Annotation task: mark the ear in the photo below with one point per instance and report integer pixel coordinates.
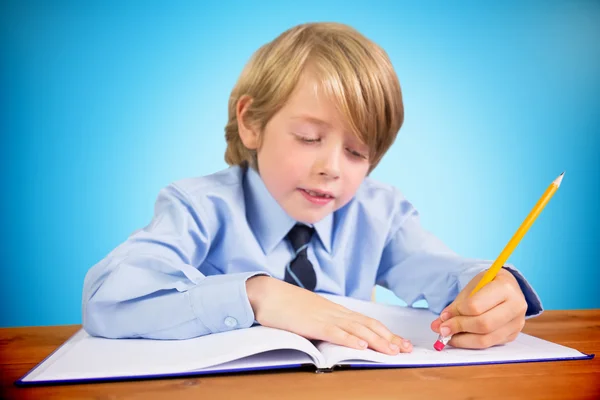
(248, 133)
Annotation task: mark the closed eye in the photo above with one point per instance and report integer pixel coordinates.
(306, 139)
(309, 140)
(356, 154)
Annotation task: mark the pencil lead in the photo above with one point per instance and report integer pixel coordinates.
(558, 180)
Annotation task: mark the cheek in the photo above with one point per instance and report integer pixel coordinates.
(352, 180)
(269, 154)
(288, 161)
(280, 172)
(351, 188)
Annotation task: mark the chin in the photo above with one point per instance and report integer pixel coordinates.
(310, 218)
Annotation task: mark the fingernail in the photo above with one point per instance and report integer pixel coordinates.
(362, 343)
(394, 347)
(445, 331)
(406, 344)
(445, 316)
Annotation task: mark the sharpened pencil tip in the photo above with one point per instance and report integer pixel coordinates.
(558, 180)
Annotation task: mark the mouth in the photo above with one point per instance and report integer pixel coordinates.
(318, 193)
(317, 197)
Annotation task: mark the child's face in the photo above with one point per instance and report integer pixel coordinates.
(309, 160)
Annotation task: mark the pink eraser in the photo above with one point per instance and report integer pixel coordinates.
(438, 345)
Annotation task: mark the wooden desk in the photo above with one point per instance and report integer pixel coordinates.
(22, 348)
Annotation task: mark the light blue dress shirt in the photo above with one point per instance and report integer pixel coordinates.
(184, 275)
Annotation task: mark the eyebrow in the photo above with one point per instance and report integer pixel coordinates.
(312, 120)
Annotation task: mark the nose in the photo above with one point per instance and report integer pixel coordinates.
(328, 164)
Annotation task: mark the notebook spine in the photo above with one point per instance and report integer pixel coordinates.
(323, 370)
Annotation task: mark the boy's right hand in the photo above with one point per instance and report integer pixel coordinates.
(278, 304)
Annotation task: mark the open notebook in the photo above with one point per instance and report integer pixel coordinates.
(87, 359)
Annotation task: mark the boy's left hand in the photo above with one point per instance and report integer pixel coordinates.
(494, 315)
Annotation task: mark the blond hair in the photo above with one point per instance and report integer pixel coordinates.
(352, 70)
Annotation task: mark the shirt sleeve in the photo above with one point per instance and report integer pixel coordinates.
(416, 265)
(150, 286)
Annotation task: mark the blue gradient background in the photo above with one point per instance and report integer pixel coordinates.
(104, 103)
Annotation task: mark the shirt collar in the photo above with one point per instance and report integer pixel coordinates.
(269, 222)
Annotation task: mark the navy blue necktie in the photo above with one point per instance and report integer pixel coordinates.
(300, 271)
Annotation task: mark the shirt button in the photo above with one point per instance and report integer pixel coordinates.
(230, 322)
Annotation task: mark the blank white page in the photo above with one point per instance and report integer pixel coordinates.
(414, 324)
(87, 357)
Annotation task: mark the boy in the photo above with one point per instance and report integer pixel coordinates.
(312, 114)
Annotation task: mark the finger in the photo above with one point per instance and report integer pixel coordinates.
(511, 338)
(336, 335)
(444, 316)
(501, 335)
(485, 299)
(481, 324)
(376, 341)
(380, 329)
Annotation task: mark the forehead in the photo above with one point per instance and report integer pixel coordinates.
(310, 104)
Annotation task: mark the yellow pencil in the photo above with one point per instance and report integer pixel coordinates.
(510, 247)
